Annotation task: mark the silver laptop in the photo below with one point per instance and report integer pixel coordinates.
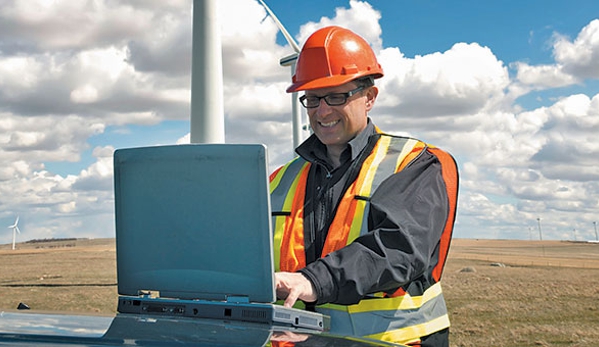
(194, 236)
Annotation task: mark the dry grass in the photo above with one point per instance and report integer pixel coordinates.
(60, 276)
(546, 295)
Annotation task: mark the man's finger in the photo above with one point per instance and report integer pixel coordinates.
(291, 298)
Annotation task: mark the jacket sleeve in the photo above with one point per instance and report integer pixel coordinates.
(406, 219)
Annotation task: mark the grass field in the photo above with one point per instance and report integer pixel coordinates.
(499, 293)
(546, 295)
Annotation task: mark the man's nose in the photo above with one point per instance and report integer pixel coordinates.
(323, 108)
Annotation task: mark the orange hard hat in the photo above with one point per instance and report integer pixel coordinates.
(331, 57)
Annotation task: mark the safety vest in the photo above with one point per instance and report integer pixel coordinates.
(399, 318)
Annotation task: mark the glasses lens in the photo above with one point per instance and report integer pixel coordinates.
(311, 101)
(336, 99)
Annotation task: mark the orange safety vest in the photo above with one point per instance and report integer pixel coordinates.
(400, 318)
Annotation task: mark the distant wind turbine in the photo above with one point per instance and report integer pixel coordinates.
(15, 230)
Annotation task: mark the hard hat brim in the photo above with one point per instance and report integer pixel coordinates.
(326, 82)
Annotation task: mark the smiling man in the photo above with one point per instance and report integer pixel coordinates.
(362, 219)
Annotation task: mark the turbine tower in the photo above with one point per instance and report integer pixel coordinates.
(207, 121)
(15, 230)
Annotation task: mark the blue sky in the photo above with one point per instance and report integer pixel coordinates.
(515, 30)
(508, 87)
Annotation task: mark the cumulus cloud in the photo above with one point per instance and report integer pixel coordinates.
(462, 80)
(360, 17)
(580, 57)
(99, 175)
(544, 76)
(575, 61)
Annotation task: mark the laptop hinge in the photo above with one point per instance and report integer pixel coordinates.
(238, 299)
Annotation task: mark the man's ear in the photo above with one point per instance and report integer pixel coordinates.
(371, 94)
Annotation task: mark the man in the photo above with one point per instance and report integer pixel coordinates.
(362, 220)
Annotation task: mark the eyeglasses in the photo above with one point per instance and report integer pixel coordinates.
(335, 99)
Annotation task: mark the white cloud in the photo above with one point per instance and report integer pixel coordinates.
(544, 76)
(250, 51)
(360, 17)
(99, 175)
(84, 95)
(259, 101)
(63, 24)
(581, 57)
(18, 73)
(575, 61)
(454, 91)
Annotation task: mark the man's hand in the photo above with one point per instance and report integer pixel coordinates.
(292, 286)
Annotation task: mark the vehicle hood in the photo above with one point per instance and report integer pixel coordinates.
(50, 329)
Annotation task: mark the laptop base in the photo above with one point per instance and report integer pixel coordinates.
(249, 312)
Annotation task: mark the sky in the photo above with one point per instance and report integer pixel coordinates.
(509, 88)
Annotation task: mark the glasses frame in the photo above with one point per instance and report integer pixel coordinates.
(346, 96)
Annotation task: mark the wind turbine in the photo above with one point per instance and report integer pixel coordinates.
(290, 60)
(207, 120)
(15, 230)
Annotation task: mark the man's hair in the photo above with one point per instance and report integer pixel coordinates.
(366, 81)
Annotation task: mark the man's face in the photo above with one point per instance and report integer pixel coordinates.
(337, 125)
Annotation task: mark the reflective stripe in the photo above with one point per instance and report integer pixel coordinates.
(280, 180)
(411, 145)
(293, 253)
(405, 302)
(351, 220)
(397, 149)
(412, 333)
(283, 185)
(377, 322)
(359, 217)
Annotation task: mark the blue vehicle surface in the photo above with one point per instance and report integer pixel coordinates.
(18, 328)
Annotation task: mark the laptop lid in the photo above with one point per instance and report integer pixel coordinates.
(193, 222)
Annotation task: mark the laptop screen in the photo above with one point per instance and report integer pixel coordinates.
(193, 221)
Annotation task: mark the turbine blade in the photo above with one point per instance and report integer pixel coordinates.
(17, 229)
(16, 222)
(288, 36)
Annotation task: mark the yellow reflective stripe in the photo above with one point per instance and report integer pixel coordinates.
(405, 302)
(277, 179)
(279, 222)
(279, 227)
(356, 226)
(291, 195)
(382, 148)
(381, 152)
(414, 332)
(407, 148)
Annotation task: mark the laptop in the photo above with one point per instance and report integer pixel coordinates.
(194, 235)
